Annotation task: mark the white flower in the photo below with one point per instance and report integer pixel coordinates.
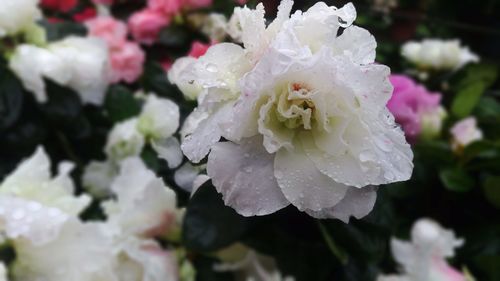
(158, 121)
(159, 118)
(432, 122)
(186, 176)
(438, 54)
(31, 64)
(82, 64)
(124, 140)
(424, 257)
(88, 62)
(144, 204)
(464, 133)
(17, 16)
(98, 176)
(310, 126)
(3, 272)
(91, 258)
(33, 205)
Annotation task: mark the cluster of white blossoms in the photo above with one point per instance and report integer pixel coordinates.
(156, 124)
(436, 54)
(39, 218)
(424, 257)
(81, 63)
(296, 116)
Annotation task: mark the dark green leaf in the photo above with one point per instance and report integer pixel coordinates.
(63, 105)
(491, 188)
(209, 225)
(456, 179)
(121, 104)
(60, 30)
(11, 98)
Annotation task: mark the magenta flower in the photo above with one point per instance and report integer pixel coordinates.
(417, 110)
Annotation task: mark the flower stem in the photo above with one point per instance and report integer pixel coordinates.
(336, 251)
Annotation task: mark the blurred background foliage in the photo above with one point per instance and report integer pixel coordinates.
(462, 192)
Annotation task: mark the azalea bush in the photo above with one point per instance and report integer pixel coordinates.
(182, 140)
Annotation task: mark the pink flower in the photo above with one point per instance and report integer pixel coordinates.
(196, 4)
(410, 103)
(103, 2)
(167, 7)
(145, 25)
(166, 64)
(59, 5)
(198, 49)
(241, 2)
(112, 31)
(126, 62)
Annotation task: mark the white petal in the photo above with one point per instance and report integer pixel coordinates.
(243, 174)
(357, 43)
(208, 132)
(302, 184)
(358, 202)
(170, 150)
(186, 175)
(159, 118)
(21, 218)
(97, 178)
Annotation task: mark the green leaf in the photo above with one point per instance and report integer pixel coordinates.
(121, 104)
(491, 189)
(154, 79)
(488, 109)
(60, 30)
(209, 225)
(11, 98)
(456, 179)
(467, 98)
(174, 36)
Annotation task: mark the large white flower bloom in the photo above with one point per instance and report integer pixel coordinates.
(79, 63)
(310, 126)
(438, 54)
(89, 66)
(34, 205)
(17, 16)
(424, 257)
(144, 205)
(31, 64)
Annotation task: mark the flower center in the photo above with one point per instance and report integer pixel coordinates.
(295, 106)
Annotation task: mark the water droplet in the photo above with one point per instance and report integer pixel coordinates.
(211, 67)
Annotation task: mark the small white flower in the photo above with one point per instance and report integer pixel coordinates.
(464, 133)
(31, 64)
(34, 205)
(158, 121)
(159, 118)
(186, 176)
(144, 204)
(432, 122)
(124, 140)
(424, 257)
(98, 176)
(82, 64)
(18, 15)
(438, 54)
(88, 62)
